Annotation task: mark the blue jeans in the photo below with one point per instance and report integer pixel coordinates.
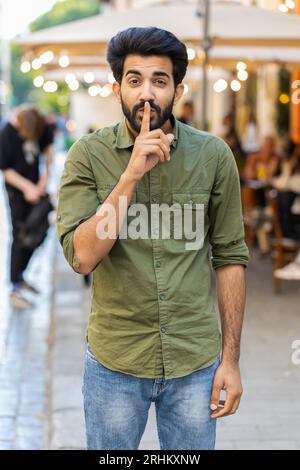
(116, 408)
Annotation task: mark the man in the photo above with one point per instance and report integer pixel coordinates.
(22, 141)
(153, 332)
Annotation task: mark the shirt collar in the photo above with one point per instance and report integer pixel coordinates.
(125, 139)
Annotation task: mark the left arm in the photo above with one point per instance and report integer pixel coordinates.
(229, 259)
(231, 293)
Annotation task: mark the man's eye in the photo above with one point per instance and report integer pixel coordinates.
(161, 82)
(133, 81)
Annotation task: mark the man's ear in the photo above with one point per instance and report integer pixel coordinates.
(116, 88)
(178, 92)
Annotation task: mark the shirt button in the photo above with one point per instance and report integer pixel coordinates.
(157, 264)
(163, 329)
(154, 199)
(162, 296)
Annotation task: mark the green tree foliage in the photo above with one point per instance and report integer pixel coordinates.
(23, 89)
(65, 11)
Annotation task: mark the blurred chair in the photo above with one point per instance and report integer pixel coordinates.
(285, 249)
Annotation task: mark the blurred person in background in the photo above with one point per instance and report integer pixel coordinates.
(288, 187)
(22, 140)
(261, 167)
(230, 135)
(187, 113)
(264, 164)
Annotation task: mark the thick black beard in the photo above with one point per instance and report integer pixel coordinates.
(158, 121)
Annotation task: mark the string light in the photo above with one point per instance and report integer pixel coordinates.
(284, 98)
(111, 79)
(64, 61)
(235, 85)
(104, 91)
(89, 77)
(50, 86)
(283, 8)
(290, 4)
(242, 75)
(74, 85)
(46, 57)
(220, 85)
(36, 64)
(38, 81)
(94, 90)
(25, 66)
(241, 66)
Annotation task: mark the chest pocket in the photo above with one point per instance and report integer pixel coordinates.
(188, 217)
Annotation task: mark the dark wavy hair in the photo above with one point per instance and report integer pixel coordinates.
(146, 42)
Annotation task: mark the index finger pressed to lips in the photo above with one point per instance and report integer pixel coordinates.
(145, 126)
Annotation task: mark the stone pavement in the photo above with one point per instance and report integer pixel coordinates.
(24, 359)
(42, 354)
(269, 414)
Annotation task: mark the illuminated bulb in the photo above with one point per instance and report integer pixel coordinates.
(111, 79)
(283, 8)
(290, 4)
(104, 91)
(93, 90)
(191, 53)
(46, 57)
(242, 75)
(36, 64)
(38, 81)
(50, 86)
(235, 85)
(25, 66)
(284, 98)
(220, 85)
(69, 78)
(64, 61)
(89, 77)
(241, 66)
(73, 85)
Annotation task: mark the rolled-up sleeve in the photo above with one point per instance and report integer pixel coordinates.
(77, 199)
(226, 232)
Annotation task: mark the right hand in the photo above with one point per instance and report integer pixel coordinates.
(149, 148)
(32, 194)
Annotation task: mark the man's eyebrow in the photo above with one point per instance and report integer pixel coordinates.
(158, 73)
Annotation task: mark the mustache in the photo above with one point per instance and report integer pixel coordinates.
(139, 106)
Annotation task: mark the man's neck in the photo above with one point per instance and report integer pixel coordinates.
(167, 128)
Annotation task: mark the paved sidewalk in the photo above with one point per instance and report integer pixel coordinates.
(24, 368)
(269, 414)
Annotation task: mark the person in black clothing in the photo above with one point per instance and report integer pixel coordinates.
(22, 140)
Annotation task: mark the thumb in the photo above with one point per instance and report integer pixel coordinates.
(170, 137)
(215, 396)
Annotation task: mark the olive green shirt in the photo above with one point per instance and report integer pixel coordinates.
(152, 310)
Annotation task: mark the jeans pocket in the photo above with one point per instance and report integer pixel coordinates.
(90, 353)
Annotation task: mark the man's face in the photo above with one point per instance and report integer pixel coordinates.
(147, 79)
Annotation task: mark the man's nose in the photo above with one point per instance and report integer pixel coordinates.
(147, 92)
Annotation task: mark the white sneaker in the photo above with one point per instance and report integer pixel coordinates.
(17, 300)
(290, 272)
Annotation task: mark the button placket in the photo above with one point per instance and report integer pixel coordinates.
(160, 280)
